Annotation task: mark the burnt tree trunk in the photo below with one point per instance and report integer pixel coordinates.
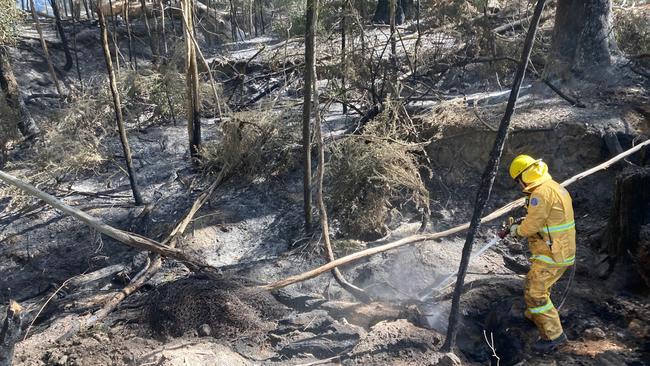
(153, 41)
(192, 76)
(14, 100)
(132, 58)
(10, 332)
(46, 52)
(118, 110)
(343, 57)
(64, 39)
(404, 10)
(623, 242)
(583, 39)
(310, 29)
(487, 179)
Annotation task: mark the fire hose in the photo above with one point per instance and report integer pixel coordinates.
(429, 291)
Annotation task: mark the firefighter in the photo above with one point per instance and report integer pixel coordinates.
(550, 229)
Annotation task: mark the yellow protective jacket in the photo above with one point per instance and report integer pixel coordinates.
(549, 224)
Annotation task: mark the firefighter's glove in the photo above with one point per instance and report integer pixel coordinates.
(513, 230)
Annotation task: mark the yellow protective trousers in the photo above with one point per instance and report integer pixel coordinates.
(537, 295)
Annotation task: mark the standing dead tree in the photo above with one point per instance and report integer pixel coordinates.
(46, 52)
(119, 119)
(583, 39)
(153, 39)
(14, 99)
(192, 77)
(622, 243)
(310, 29)
(344, 67)
(489, 174)
(64, 38)
(132, 59)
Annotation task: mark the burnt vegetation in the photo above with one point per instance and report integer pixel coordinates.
(282, 181)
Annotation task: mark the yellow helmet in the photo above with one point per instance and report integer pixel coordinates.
(520, 164)
(529, 169)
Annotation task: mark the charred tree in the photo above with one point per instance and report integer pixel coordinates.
(192, 77)
(311, 16)
(74, 42)
(132, 59)
(344, 66)
(14, 99)
(10, 332)
(46, 52)
(623, 243)
(404, 10)
(64, 38)
(583, 39)
(487, 180)
(118, 110)
(153, 42)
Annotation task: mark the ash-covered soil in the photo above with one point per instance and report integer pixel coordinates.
(252, 231)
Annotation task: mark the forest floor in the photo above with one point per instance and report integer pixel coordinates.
(253, 230)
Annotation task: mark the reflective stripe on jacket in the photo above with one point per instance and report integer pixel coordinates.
(549, 224)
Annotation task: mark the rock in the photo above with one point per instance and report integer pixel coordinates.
(449, 359)
(321, 346)
(316, 321)
(62, 360)
(364, 315)
(326, 342)
(298, 300)
(204, 330)
(207, 353)
(128, 358)
(594, 334)
(638, 329)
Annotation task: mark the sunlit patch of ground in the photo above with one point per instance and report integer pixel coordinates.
(592, 348)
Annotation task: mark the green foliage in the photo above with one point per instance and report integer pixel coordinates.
(9, 17)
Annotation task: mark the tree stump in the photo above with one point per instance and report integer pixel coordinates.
(11, 332)
(622, 242)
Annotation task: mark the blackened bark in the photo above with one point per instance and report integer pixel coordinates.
(153, 41)
(64, 39)
(405, 9)
(583, 40)
(119, 119)
(489, 174)
(46, 52)
(10, 332)
(306, 108)
(630, 210)
(192, 76)
(13, 98)
(343, 57)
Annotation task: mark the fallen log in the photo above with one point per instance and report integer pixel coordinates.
(155, 261)
(133, 240)
(521, 23)
(433, 236)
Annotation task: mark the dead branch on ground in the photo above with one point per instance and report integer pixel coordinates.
(433, 236)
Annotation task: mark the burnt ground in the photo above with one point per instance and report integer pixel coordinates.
(252, 229)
